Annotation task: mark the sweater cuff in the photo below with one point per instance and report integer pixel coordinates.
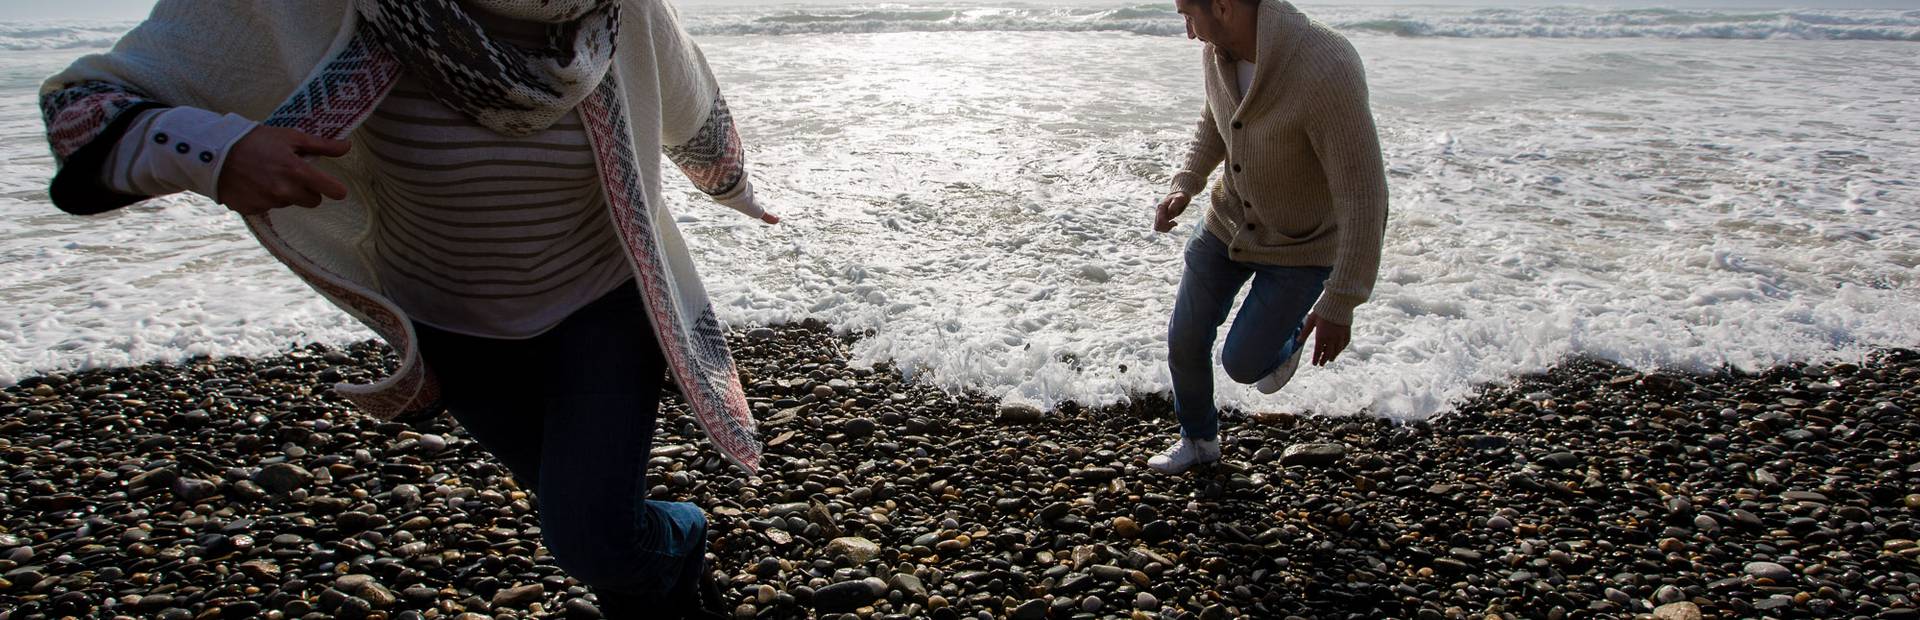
(1189, 183)
(1337, 308)
(743, 200)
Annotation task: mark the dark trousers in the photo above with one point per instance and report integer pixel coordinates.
(571, 413)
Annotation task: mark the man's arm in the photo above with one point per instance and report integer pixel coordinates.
(1204, 153)
(1348, 146)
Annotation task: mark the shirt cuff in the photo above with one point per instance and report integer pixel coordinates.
(744, 201)
(181, 149)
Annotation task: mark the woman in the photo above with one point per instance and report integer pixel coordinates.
(477, 181)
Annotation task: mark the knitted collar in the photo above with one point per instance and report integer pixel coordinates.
(510, 89)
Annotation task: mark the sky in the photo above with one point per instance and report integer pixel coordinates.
(11, 10)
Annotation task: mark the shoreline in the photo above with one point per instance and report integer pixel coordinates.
(1587, 491)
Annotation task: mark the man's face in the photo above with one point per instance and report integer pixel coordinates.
(1202, 24)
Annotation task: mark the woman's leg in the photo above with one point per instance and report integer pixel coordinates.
(493, 391)
(603, 374)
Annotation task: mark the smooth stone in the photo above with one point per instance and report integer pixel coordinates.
(283, 477)
(858, 550)
(843, 597)
(1769, 570)
(1074, 583)
(908, 584)
(580, 608)
(1313, 454)
(860, 428)
(1559, 460)
(1677, 611)
(194, 489)
(1018, 413)
(1156, 531)
(519, 596)
(1033, 609)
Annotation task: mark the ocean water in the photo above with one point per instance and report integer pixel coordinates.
(971, 186)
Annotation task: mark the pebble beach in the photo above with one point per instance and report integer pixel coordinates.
(242, 488)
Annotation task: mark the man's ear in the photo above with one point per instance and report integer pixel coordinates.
(1222, 8)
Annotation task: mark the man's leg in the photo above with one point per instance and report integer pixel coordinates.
(605, 372)
(1268, 328)
(1208, 286)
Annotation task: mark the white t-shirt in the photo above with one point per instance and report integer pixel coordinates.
(1246, 77)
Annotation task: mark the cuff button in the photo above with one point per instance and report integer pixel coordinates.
(206, 157)
(182, 148)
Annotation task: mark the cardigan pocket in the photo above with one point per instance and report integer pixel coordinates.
(1274, 237)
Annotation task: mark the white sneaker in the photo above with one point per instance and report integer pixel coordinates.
(1280, 376)
(1185, 454)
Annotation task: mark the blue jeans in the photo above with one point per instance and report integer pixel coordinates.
(1262, 337)
(571, 413)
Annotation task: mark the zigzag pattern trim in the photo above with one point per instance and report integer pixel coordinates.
(697, 354)
(337, 98)
(342, 94)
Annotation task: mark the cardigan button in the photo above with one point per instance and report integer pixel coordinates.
(159, 138)
(1252, 226)
(182, 148)
(1236, 167)
(1236, 124)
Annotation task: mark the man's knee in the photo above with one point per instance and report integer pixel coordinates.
(1245, 366)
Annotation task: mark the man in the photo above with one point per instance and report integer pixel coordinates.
(478, 183)
(1301, 208)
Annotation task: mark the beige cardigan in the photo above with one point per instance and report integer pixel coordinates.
(1304, 182)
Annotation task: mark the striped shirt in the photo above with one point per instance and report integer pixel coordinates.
(483, 234)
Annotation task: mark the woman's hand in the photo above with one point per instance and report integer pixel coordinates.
(269, 169)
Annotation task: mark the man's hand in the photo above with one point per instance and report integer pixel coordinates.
(266, 170)
(1333, 338)
(1170, 207)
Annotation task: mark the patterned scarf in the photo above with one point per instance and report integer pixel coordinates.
(507, 88)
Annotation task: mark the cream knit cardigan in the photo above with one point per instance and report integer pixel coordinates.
(302, 64)
(1304, 182)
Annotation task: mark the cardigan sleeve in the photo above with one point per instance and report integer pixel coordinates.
(1204, 153)
(1344, 138)
(85, 121)
(186, 53)
(697, 129)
